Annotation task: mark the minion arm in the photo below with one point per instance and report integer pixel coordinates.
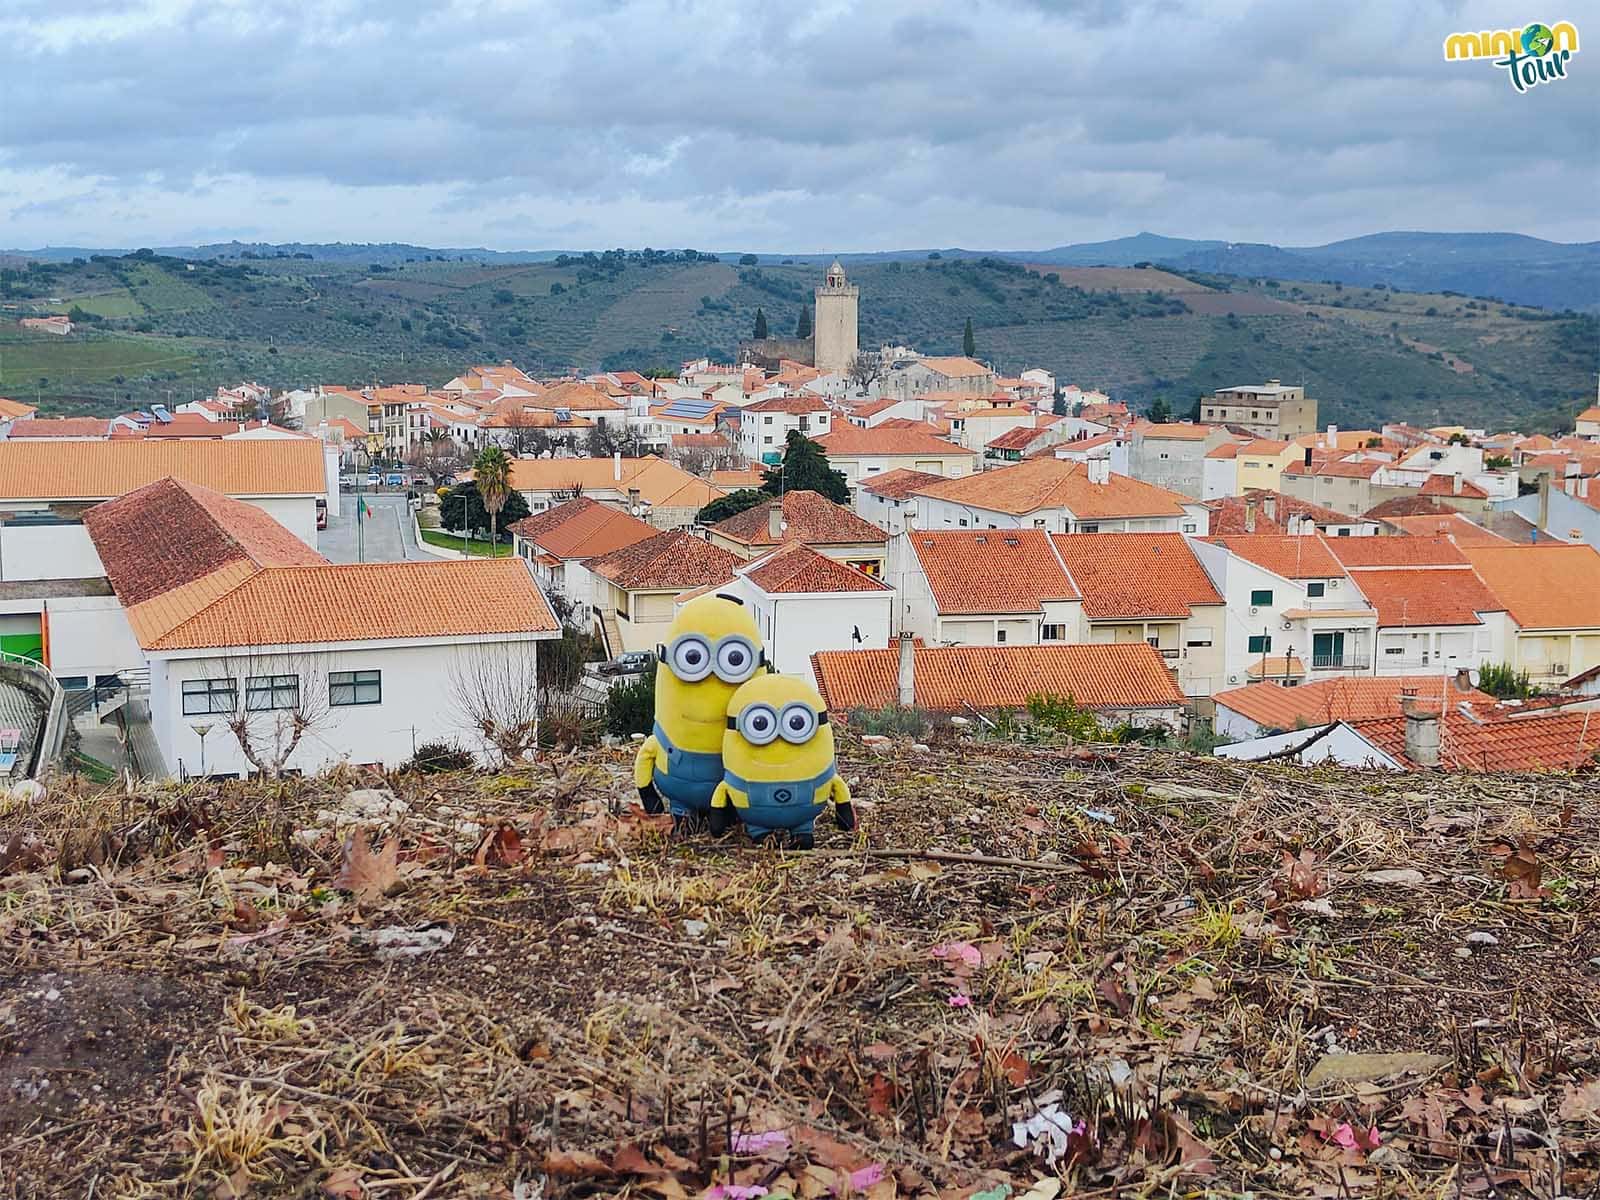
(644, 767)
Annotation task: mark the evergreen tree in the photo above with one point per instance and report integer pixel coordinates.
(805, 469)
(802, 327)
(1058, 406)
(761, 325)
(1161, 411)
(969, 345)
(730, 505)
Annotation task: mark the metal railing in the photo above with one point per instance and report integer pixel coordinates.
(1340, 662)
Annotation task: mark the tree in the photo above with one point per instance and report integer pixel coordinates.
(864, 369)
(523, 439)
(274, 699)
(1160, 411)
(969, 344)
(631, 707)
(437, 456)
(492, 473)
(1504, 682)
(730, 505)
(805, 469)
(497, 696)
(749, 260)
(462, 508)
(1058, 405)
(1497, 462)
(802, 327)
(760, 333)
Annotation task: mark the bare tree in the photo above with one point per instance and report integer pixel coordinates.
(522, 439)
(438, 457)
(277, 697)
(865, 369)
(496, 692)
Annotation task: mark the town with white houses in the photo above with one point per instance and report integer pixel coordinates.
(266, 581)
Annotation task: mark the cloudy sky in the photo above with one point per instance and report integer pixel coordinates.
(745, 124)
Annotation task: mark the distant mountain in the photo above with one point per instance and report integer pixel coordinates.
(1119, 252)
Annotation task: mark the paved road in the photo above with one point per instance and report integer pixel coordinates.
(385, 535)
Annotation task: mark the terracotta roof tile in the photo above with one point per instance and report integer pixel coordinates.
(949, 678)
(660, 483)
(798, 569)
(574, 395)
(1058, 483)
(956, 367)
(798, 405)
(1228, 512)
(733, 481)
(1135, 574)
(61, 427)
(809, 517)
(1540, 741)
(1407, 506)
(1303, 556)
(1452, 525)
(1427, 596)
(670, 561)
(1369, 552)
(1347, 698)
(582, 528)
(1181, 431)
(889, 439)
(1019, 438)
(15, 410)
(991, 571)
(1340, 469)
(1445, 485)
(358, 602)
(899, 483)
(1281, 666)
(99, 470)
(1544, 586)
(1225, 450)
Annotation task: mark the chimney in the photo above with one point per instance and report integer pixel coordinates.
(1273, 382)
(1422, 732)
(616, 467)
(1544, 502)
(633, 501)
(1308, 456)
(775, 520)
(907, 676)
(1463, 679)
(1270, 507)
(1250, 515)
(1455, 484)
(1333, 437)
(1099, 470)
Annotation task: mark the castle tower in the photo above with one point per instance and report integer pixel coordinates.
(834, 333)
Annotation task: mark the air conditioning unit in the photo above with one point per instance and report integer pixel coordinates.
(1254, 610)
(1558, 668)
(1288, 624)
(1233, 679)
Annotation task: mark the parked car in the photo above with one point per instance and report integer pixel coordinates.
(633, 662)
(372, 478)
(395, 479)
(347, 481)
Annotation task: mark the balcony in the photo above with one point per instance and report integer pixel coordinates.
(1340, 662)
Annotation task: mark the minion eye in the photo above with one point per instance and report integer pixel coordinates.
(758, 724)
(690, 658)
(736, 660)
(797, 723)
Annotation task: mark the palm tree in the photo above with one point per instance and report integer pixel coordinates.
(492, 472)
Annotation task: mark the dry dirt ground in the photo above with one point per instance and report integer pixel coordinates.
(1033, 971)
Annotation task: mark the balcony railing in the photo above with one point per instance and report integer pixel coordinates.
(1340, 662)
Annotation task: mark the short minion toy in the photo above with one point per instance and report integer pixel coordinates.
(778, 766)
(712, 647)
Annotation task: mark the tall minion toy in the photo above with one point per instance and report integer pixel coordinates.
(712, 647)
(778, 764)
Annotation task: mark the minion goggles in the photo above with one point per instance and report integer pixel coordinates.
(759, 724)
(692, 657)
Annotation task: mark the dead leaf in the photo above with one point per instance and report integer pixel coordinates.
(1581, 1103)
(344, 1183)
(1302, 879)
(366, 874)
(1109, 989)
(500, 847)
(576, 1164)
(1523, 869)
(19, 855)
(880, 1096)
(630, 1160)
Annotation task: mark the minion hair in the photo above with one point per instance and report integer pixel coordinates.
(734, 599)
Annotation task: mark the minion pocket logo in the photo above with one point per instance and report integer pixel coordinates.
(1533, 55)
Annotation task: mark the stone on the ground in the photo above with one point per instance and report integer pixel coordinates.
(1345, 1068)
(27, 791)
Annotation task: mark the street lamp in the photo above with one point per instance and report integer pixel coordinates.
(363, 457)
(202, 730)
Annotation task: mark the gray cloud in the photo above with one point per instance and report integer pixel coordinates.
(853, 124)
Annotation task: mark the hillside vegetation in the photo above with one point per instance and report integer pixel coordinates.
(156, 327)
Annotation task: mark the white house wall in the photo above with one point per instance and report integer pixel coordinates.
(48, 552)
(90, 635)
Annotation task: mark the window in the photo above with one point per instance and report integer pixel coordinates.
(1000, 635)
(963, 522)
(265, 692)
(1343, 533)
(355, 687)
(1189, 527)
(204, 696)
(1090, 528)
(1052, 633)
(1261, 597)
(1394, 649)
(1313, 590)
(1038, 523)
(1261, 644)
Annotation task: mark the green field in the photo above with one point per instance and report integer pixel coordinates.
(476, 547)
(1368, 354)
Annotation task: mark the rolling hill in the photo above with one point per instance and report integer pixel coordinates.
(157, 327)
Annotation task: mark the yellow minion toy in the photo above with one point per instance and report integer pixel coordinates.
(778, 764)
(712, 647)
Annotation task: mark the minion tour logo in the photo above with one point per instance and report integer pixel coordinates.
(1533, 55)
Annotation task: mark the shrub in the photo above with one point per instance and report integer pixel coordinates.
(1062, 714)
(1504, 682)
(433, 757)
(892, 720)
(570, 723)
(631, 706)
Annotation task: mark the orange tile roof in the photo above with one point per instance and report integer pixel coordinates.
(1543, 586)
(61, 427)
(170, 533)
(670, 561)
(1283, 666)
(574, 395)
(1445, 485)
(98, 470)
(1347, 698)
(798, 569)
(699, 441)
(1427, 596)
(798, 405)
(660, 483)
(1451, 525)
(991, 570)
(12, 410)
(1135, 575)
(889, 439)
(1548, 740)
(582, 528)
(1228, 512)
(1019, 438)
(950, 678)
(1264, 446)
(1304, 556)
(1181, 431)
(872, 407)
(1058, 483)
(899, 483)
(1407, 506)
(1369, 552)
(354, 602)
(733, 481)
(810, 518)
(1336, 468)
(955, 367)
(1225, 450)
(1592, 413)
